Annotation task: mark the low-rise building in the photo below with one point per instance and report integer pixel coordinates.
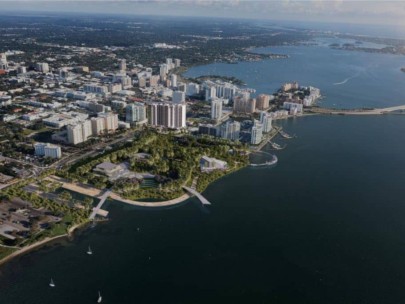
(293, 108)
(208, 164)
(48, 150)
(108, 169)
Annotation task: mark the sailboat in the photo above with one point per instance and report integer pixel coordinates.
(89, 252)
(52, 284)
(100, 298)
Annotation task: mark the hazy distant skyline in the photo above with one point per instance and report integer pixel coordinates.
(371, 12)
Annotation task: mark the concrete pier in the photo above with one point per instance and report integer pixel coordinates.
(194, 192)
(97, 209)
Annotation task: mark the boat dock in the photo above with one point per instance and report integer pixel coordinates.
(97, 210)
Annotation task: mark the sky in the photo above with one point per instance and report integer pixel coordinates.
(362, 11)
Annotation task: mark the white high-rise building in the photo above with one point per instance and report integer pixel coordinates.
(192, 89)
(177, 63)
(79, 133)
(230, 130)
(86, 129)
(170, 64)
(179, 97)
(105, 122)
(3, 61)
(210, 92)
(75, 134)
(97, 125)
(168, 115)
(266, 120)
(135, 113)
(256, 133)
(173, 79)
(110, 121)
(123, 66)
(42, 67)
(216, 109)
(163, 71)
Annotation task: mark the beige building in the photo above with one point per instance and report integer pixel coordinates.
(110, 121)
(243, 105)
(97, 125)
(262, 102)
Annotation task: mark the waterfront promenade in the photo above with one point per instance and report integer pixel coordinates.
(194, 192)
(96, 193)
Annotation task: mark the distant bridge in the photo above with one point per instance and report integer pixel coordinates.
(194, 192)
(357, 111)
(97, 209)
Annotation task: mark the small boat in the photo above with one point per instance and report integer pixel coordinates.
(52, 284)
(100, 298)
(89, 252)
(285, 135)
(276, 146)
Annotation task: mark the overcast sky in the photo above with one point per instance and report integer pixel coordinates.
(373, 12)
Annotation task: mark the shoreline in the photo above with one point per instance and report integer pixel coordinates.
(39, 244)
(94, 192)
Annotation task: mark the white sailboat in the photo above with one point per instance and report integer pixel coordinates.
(52, 284)
(89, 252)
(100, 298)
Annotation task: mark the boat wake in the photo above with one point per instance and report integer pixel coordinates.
(271, 162)
(347, 79)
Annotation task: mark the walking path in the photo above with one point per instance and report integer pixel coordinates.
(90, 191)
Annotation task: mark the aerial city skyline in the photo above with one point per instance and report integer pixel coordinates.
(202, 152)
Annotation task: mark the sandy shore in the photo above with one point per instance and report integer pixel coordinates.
(39, 244)
(94, 192)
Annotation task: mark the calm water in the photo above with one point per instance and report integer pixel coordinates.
(347, 79)
(326, 225)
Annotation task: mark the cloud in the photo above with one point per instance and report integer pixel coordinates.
(360, 11)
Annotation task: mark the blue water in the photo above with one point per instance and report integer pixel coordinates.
(347, 79)
(324, 226)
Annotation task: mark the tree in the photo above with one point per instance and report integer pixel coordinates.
(65, 195)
